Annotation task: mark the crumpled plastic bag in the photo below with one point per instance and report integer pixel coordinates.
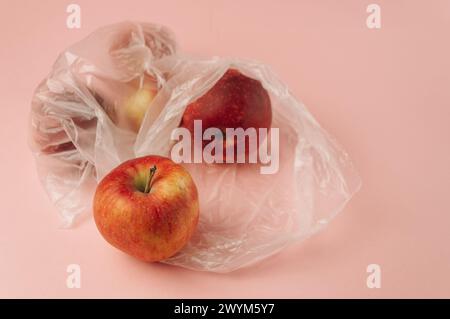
(77, 138)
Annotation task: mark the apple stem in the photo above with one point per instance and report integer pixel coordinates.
(148, 185)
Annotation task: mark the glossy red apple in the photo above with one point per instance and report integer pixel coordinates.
(147, 207)
(235, 101)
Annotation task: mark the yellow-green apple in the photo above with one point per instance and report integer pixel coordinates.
(124, 102)
(147, 207)
(136, 104)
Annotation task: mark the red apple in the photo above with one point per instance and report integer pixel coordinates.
(235, 101)
(147, 207)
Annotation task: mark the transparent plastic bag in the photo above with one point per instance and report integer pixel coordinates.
(76, 126)
(245, 216)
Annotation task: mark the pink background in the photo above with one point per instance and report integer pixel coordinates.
(384, 94)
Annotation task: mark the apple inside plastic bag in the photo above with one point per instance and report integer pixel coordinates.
(245, 216)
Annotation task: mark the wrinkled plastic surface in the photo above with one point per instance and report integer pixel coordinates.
(77, 138)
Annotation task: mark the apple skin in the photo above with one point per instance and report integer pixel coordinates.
(149, 226)
(136, 106)
(125, 102)
(235, 101)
